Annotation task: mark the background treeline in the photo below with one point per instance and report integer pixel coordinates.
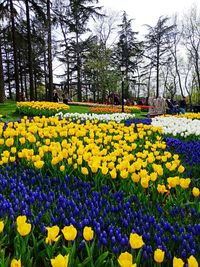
(92, 45)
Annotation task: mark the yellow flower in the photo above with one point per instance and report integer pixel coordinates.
(136, 241)
(60, 261)
(62, 168)
(159, 255)
(24, 229)
(144, 182)
(21, 219)
(192, 262)
(12, 159)
(104, 170)
(177, 262)
(124, 174)
(195, 192)
(135, 177)
(52, 234)
(125, 260)
(9, 142)
(15, 263)
(113, 173)
(173, 181)
(69, 232)
(181, 169)
(184, 183)
(1, 226)
(13, 150)
(22, 140)
(39, 164)
(153, 176)
(88, 233)
(84, 171)
(161, 188)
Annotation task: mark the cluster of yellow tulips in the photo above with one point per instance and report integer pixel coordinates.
(43, 105)
(191, 115)
(110, 149)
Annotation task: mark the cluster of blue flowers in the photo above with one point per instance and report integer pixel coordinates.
(48, 201)
(137, 121)
(189, 152)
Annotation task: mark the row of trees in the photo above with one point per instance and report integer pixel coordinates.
(33, 33)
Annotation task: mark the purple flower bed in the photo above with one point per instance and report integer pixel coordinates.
(189, 152)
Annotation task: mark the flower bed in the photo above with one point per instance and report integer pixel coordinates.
(97, 193)
(181, 127)
(117, 117)
(48, 201)
(37, 108)
(109, 109)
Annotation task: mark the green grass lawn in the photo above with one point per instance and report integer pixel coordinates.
(8, 110)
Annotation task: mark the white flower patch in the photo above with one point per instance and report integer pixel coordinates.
(117, 117)
(177, 126)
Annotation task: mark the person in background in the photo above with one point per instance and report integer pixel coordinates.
(182, 106)
(55, 96)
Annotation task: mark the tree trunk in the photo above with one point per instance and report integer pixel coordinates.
(148, 85)
(157, 70)
(16, 75)
(30, 63)
(198, 74)
(45, 76)
(2, 90)
(78, 62)
(49, 41)
(21, 75)
(7, 65)
(35, 86)
(25, 87)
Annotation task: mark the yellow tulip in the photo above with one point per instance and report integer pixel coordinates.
(135, 177)
(136, 241)
(39, 164)
(181, 169)
(195, 191)
(192, 262)
(177, 262)
(124, 174)
(161, 189)
(84, 171)
(24, 229)
(69, 232)
(62, 168)
(104, 170)
(113, 174)
(88, 233)
(15, 263)
(125, 260)
(184, 183)
(13, 150)
(60, 261)
(1, 226)
(52, 234)
(21, 219)
(159, 255)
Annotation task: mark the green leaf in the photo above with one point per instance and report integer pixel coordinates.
(101, 258)
(85, 262)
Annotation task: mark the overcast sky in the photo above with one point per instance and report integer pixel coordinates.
(148, 11)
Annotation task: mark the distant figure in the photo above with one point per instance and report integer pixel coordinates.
(170, 109)
(182, 106)
(55, 96)
(116, 100)
(65, 99)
